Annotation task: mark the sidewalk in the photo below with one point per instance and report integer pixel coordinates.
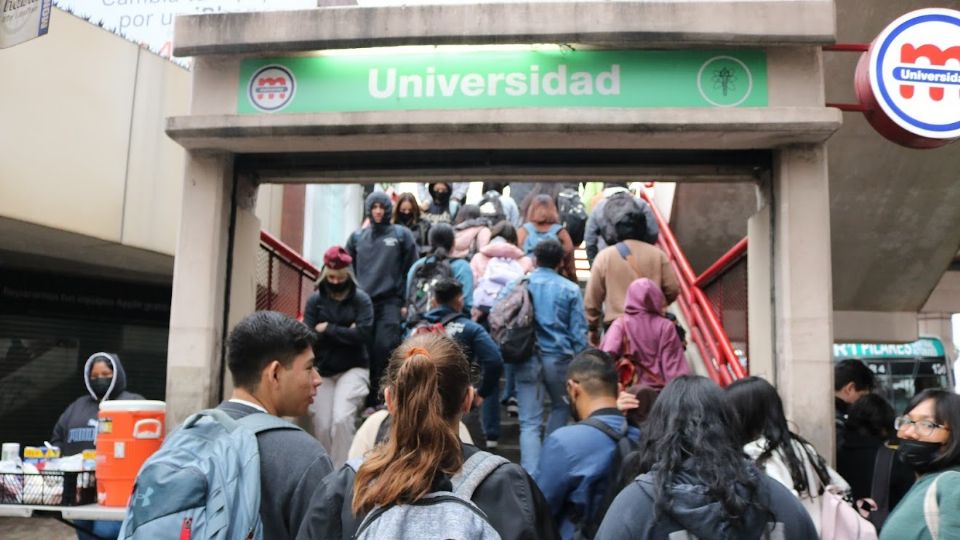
(36, 528)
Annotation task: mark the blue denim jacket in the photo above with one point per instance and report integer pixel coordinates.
(558, 310)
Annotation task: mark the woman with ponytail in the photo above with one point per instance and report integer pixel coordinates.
(428, 388)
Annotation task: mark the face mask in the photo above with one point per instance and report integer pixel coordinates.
(337, 288)
(100, 386)
(405, 219)
(442, 197)
(918, 454)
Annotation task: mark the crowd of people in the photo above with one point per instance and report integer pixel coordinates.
(437, 316)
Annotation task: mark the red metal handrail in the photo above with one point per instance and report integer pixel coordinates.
(289, 254)
(720, 360)
(738, 251)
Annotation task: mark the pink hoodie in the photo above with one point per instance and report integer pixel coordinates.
(652, 338)
(498, 247)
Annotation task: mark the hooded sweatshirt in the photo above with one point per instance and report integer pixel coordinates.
(632, 514)
(652, 339)
(76, 430)
(382, 254)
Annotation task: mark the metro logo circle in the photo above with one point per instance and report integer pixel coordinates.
(914, 69)
(271, 88)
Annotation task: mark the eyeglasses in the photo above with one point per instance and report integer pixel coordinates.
(924, 428)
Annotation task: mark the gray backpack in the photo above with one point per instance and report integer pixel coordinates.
(204, 482)
(442, 514)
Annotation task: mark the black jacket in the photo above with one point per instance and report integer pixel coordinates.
(382, 254)
(632, 515)
(509, 497)
(76, 430)
(340, 347)
(855, 463)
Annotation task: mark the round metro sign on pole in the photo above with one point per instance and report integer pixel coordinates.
(909, 79)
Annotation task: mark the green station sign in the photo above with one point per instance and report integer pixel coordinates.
(922, 348)
(488, 79)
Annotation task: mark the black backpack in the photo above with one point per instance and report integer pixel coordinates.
(622, 213)
(491, 208)
(587, 525)
(573, 215)
(425, 278)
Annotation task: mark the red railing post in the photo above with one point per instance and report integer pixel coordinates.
(720, 360)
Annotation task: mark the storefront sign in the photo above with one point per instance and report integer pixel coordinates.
(922, 348)
(23, 20)
(487, 79)
(914, 77)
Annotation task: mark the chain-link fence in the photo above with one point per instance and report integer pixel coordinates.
(283, 283)
(728, 295)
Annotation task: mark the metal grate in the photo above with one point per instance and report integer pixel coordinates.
(282, 285)
(728, 298)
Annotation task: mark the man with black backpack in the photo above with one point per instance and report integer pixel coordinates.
(382, 254)
(579, 463)
(618, 205)
(239, 471)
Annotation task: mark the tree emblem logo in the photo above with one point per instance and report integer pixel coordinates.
(724, 81)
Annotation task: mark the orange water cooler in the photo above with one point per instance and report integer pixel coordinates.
(128, 432)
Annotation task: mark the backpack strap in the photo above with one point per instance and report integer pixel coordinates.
(261, 422)
(475, 470)
(880, 486)
(451, 317)
(931, 507)
(628, 256)
(604, 427)
(555, 229)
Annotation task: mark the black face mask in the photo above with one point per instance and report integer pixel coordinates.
(337, 288)
(405, 219)
(100, 386)
(442, 198)
(918, 454)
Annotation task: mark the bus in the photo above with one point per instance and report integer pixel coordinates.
(902, 369)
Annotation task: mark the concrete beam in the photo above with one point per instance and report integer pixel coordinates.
(945, 297)
(661, 23)
(874, 326)
(726, 129)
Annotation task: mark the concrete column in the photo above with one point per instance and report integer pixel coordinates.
(760, 296)
(245, 265)
(803, 292)
(197, 303)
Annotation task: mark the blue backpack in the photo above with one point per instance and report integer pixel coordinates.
(204, 482)
(534, 236)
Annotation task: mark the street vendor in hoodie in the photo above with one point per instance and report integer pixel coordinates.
(104, 378)
(76, 430)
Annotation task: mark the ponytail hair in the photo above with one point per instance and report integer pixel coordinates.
(441, 238)
(429, 378)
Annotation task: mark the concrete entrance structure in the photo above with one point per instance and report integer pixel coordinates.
(779, 147)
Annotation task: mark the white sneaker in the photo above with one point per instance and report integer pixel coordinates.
(512, 408)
